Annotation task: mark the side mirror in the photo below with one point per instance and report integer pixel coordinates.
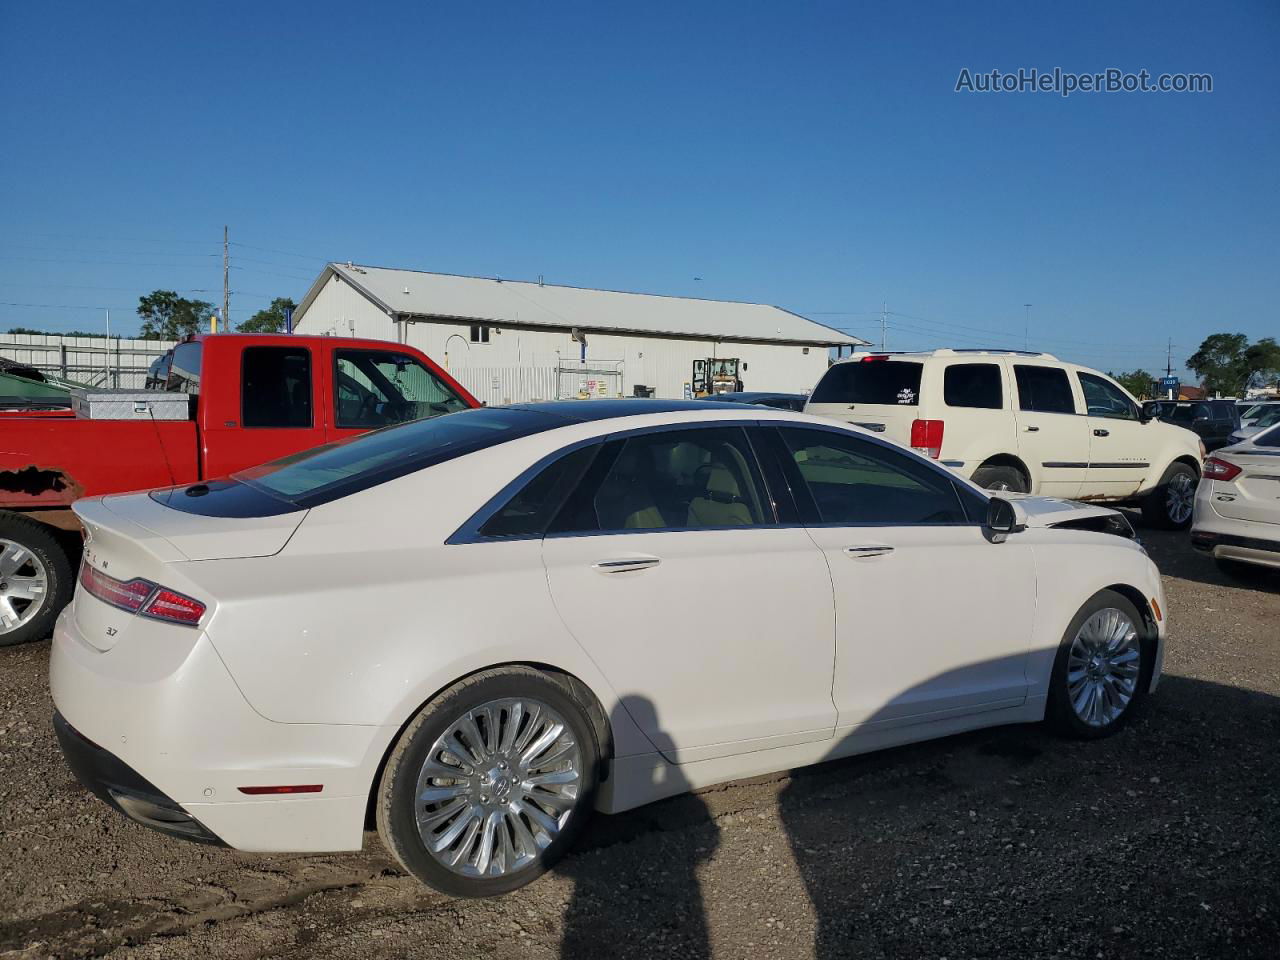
(1003, 518)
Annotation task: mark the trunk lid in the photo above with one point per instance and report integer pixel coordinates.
(200, 536)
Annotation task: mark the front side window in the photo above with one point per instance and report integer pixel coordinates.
(374, 388)
(1222, 411)
(973, 385)
(874, 380)
(1043, 389)
(672, 480)
(1104, 399)
(855, 482)
(184, 368)
(275, 387)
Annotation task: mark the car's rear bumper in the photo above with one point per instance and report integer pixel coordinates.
(158, 729)
(120, 786)
(1228, 538)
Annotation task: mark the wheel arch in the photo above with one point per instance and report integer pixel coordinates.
(1151, 631)
(574, 686)
(1008, 460)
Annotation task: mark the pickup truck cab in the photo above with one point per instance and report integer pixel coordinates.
(250, 398)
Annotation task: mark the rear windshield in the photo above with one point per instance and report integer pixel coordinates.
(873, 380)
(325, 473)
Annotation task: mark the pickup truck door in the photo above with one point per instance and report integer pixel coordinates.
(278, 412)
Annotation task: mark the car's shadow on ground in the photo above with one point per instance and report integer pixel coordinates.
(1005, 842)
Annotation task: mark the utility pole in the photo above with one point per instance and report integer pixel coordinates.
(1168, 366)
(226, 282)
(106, 367)
(1026, 328)
(884, 323)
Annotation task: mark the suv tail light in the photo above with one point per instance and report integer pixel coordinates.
(141, 596)
(926, 436)
(1216, 469)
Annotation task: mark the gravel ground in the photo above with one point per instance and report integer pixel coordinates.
(1161, 841)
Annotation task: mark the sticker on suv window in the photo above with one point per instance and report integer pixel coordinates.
(906, 395)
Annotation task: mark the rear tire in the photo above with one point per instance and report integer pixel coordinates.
(1009, 479)
(35, 579)
(502, 815)
(1102, 671)
(1169, 505)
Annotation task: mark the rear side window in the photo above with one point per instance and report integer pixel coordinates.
(275, 387)
(873, 380)
(184, 368)
(855, 482)
(1044, 389)
(530, 511)
(973, 385)
(1268, 438)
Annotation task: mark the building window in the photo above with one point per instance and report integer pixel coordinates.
(479, 333)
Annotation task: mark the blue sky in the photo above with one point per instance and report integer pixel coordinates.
(811, 155)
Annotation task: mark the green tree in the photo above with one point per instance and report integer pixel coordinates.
(270, 320)
(167, 316)
(1138, 383)
(1228, 364)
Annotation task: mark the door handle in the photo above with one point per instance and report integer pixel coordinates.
(1033, 429)
(625, 566)
(867, 551)
(1102, 433)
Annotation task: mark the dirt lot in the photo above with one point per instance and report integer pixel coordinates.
(1162, 841)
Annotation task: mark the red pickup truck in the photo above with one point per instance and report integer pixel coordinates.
(245, 399)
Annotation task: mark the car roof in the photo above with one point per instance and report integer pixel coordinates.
(742, 395)
(587, 411)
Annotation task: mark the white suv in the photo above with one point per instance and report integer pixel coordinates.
(1022, 422)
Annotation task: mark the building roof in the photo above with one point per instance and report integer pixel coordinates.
(417, 293)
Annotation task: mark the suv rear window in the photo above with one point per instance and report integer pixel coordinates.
(871, 380)
(973, 385)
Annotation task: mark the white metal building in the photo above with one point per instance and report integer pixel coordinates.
(508, 341)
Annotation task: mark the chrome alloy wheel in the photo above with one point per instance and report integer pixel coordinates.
(1103, 666)
(1179, 497)
(24, 584)
(498, 787)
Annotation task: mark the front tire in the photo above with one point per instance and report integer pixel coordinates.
(35, 580)
(490, 783)
(1169, 506)
(1102, 670)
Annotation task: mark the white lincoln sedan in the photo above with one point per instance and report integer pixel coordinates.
(476, 629)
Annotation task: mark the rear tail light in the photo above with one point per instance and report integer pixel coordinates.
(926, 436)
(874, 358)
(141, 596)
(1216, 469)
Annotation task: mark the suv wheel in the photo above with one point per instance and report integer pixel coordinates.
(1001, 478)
(1170, 504)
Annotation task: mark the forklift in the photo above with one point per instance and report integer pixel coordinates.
(717, 375)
